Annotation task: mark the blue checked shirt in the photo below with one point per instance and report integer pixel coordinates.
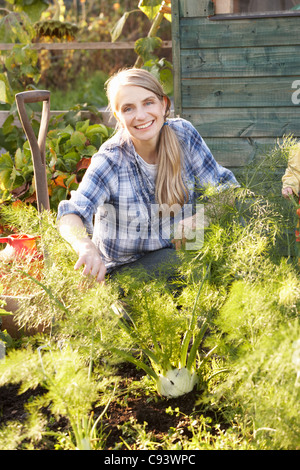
(116, 197)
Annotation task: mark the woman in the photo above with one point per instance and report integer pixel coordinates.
(139, 180)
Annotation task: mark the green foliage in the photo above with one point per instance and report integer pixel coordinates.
(118, 27)
(33, 8)
(11, 136)
(162, 70)
(155, 328)
(256, 323)
(68, 389)
(20, 71)
(16, 28)
(69, 148)
(249, 302)
(168, 337)
(263, 382)
(256, 308)
(84, 90)
(150, 8)
(146, 47)
(20, 63)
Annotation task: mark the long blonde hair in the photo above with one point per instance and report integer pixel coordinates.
(170, 188)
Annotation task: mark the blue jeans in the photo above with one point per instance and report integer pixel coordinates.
(163, 262)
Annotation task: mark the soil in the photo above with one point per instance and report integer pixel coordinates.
(153, 412)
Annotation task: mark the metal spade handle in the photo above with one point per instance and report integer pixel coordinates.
(37, 146)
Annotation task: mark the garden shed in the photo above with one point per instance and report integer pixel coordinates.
(237, 73)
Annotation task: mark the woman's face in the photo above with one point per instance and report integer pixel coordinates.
(141, 113)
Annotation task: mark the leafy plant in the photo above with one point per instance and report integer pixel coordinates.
(145, 47)
(68, 153)
(69, 390)
(237, 301)
(264, 384)
(20, 71)
(32, 8)
(168, 339)
(20, 63)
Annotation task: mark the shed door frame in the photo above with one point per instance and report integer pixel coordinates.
(232, 7)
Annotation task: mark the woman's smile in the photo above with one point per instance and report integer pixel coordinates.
(144, 126)
(141, 113)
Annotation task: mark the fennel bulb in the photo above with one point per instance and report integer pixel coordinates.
(176, 382)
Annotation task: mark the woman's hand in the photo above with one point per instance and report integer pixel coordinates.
(185, 230)
(73, 231)
(287, 192)
(89, 257)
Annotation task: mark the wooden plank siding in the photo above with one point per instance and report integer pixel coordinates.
(263, 61)
(236, 79)
(73, 45)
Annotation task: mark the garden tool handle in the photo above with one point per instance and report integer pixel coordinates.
(4, 240)
(37, 145)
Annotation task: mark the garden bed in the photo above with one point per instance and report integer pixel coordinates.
(121, 418)
(96, 380)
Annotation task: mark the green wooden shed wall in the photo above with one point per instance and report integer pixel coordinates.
(237, 79)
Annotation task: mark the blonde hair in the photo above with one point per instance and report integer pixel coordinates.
(169, 188)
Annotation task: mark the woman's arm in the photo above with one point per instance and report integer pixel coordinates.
(73, 231)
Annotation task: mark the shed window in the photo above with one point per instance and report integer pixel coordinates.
(255, 6)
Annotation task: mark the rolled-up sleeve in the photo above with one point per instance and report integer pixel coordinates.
(93, 191)
(207, 171)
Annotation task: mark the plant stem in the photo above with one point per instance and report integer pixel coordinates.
(136, 362)
(189, 332)
(153, 30)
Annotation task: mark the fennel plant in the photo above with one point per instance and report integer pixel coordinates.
(174, 359)
(70, 391)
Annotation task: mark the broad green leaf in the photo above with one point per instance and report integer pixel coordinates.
(145, 47)
(73, 155)
(166, 79)
(67, 130)
(6, 167)
(63, 138)
(89, 151)
(16, 178)
(16, 27)
(70, 181)
(27, 172)
(97, 129)
(6, 95)
(78, 139)
(7, 125)
(2, 92)
(150, 8)
(33, 9)
(19, 158)
(82, 126)
(6, 161)
(59, 193)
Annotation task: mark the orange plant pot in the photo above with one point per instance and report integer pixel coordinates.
(8, 322)
(19, 245)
